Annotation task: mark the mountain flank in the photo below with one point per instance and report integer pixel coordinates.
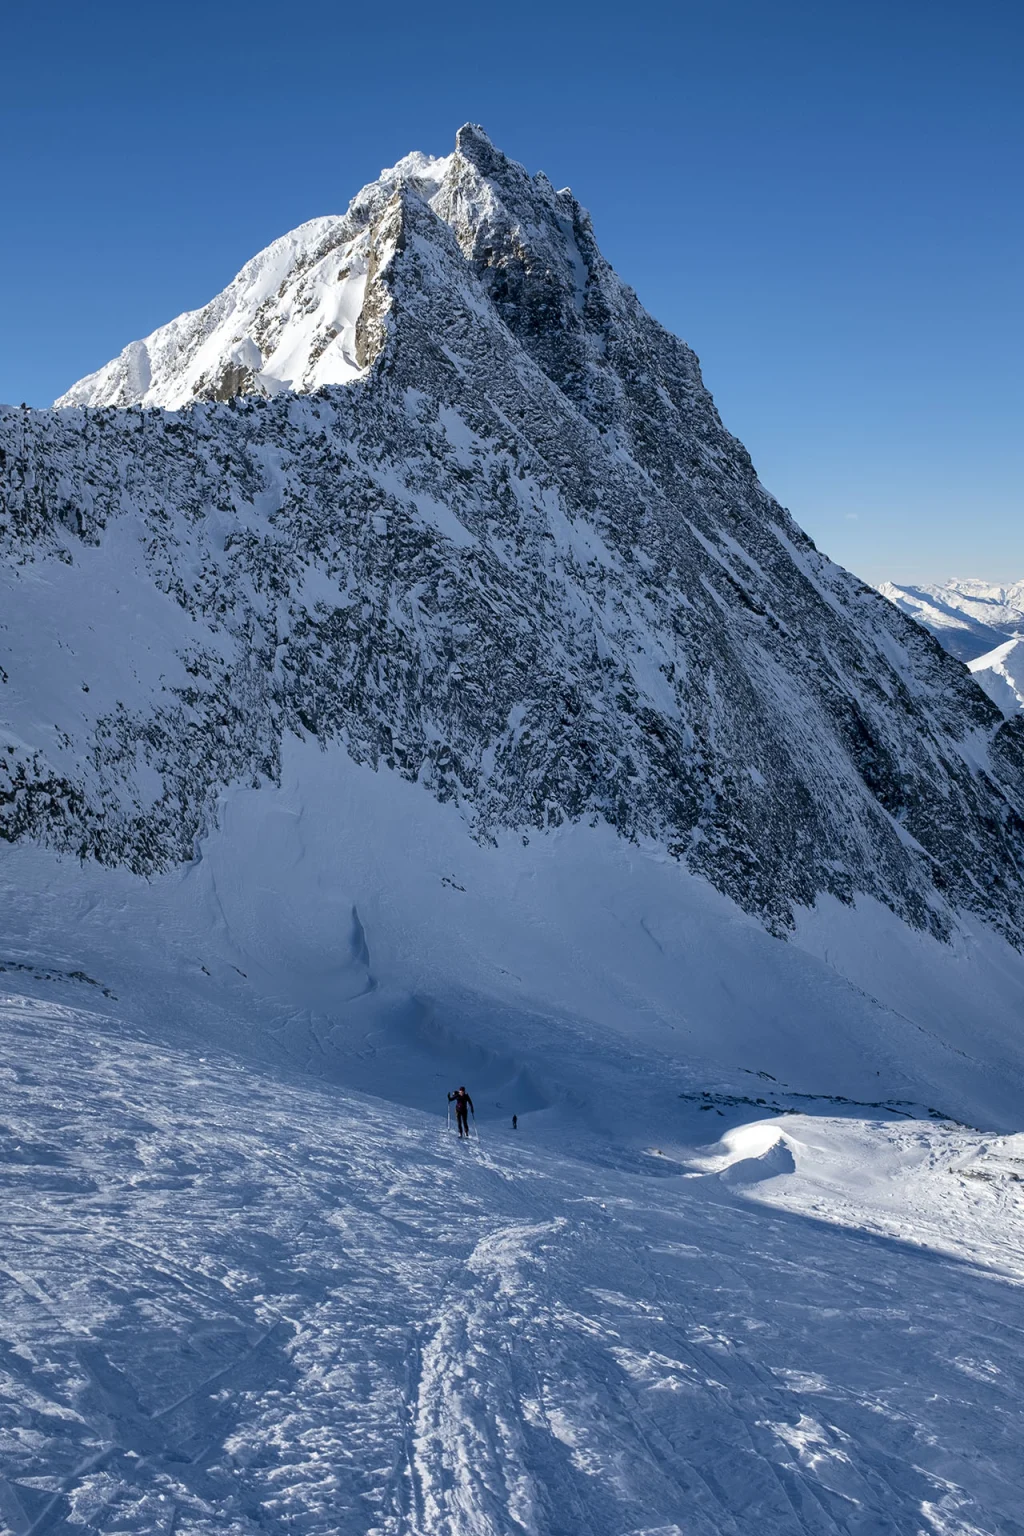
(428, 481)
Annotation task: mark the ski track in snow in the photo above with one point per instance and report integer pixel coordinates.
(239, 1303)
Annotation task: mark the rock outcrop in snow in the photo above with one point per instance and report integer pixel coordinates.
(469, 510)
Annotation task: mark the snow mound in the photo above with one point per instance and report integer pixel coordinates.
(775, 1160)
(748, 1154)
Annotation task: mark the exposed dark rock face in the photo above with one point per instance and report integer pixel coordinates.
(522, 561)
(233, 379)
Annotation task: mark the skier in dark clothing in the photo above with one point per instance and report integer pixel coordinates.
(463, 1107)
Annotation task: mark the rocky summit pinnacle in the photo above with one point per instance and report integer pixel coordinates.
(427, 480)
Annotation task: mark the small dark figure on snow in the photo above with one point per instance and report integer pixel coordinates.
(463, 1108)
(515, 1121)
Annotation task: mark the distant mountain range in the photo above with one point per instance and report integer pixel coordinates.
(968, 617)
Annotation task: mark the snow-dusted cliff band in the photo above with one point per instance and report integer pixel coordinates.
(426, 479)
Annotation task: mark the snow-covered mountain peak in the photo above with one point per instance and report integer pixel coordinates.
(969, 617)
(475, 144)
(522, 564)
(286, 322)
(290, 320)
(424, 173)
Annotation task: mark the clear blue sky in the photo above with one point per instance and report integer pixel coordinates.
(824, 198)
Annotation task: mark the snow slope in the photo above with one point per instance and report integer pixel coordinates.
(346, 917)
(736, 1271)
(968, 617)
(1001, 673)
(241, 1301)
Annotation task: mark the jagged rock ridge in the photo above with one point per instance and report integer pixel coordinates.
(517, 557)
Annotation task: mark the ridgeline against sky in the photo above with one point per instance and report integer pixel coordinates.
(819, 199)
